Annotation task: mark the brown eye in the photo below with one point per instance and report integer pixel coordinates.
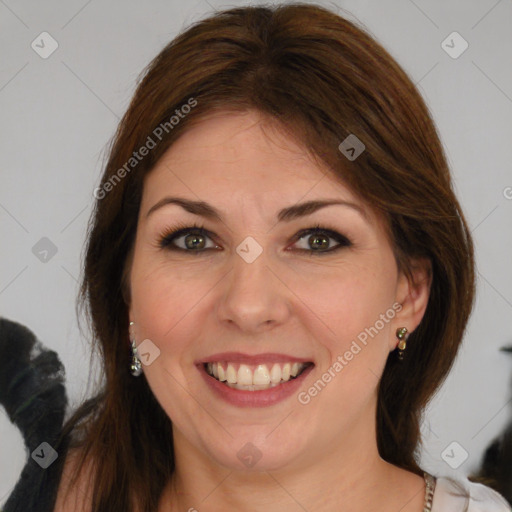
(188, 239)
(194, 239)
(318, 240)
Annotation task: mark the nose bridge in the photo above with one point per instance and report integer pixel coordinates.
(252, 295)
(250, 270)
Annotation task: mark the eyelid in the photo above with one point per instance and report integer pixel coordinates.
(341, 239)
(179, 230)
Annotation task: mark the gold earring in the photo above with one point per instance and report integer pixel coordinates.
(402, 341)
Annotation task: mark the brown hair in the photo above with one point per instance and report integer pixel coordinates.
(321, 78)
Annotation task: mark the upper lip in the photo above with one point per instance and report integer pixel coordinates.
(239, 357)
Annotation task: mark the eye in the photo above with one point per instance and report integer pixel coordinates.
(193, 239)
(318, 238)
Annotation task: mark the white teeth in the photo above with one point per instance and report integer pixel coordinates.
(259, 378)
(231, 375)
(286, 372)
(261, 375)
(275, 374)
(244, 375)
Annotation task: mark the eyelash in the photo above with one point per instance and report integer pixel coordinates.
(166, 240)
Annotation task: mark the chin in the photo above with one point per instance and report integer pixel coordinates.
(256, 453)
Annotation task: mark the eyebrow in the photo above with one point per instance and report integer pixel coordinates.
(288, 214)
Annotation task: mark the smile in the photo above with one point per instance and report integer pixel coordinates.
(254, 377)
(253, 380)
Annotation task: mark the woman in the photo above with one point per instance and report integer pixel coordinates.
(278, 276)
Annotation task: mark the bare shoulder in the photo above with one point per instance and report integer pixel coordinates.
(77, 497)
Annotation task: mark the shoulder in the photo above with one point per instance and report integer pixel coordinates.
(77, 495)
(458, 494)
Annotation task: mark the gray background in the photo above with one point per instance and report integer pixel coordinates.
(59, 113)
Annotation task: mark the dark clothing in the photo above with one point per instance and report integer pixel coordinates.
(33, 394)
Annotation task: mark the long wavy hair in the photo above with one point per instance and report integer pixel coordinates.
(322, 78)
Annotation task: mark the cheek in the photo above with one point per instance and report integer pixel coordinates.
(346, 300)
(163, 310)
(161, 303)
(358, 317)
(357, 312)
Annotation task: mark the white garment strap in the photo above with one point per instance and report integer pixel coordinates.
(462, 495)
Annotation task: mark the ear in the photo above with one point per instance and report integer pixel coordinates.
(413, 296)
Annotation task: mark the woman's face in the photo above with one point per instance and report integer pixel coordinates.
(257, 299)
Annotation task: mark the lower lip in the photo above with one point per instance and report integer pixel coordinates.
(260, 398)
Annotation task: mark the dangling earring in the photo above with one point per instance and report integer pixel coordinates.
(136, 365)
(402, 342)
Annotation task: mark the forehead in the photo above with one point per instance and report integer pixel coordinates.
(242, 138)
(243, 149)
(249, 170)
(244, 162)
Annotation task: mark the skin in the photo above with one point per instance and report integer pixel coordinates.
(321, 456)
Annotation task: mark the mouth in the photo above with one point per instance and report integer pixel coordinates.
(255, 377)
(262, 380)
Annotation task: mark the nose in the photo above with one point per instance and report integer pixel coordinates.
(254, 297)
